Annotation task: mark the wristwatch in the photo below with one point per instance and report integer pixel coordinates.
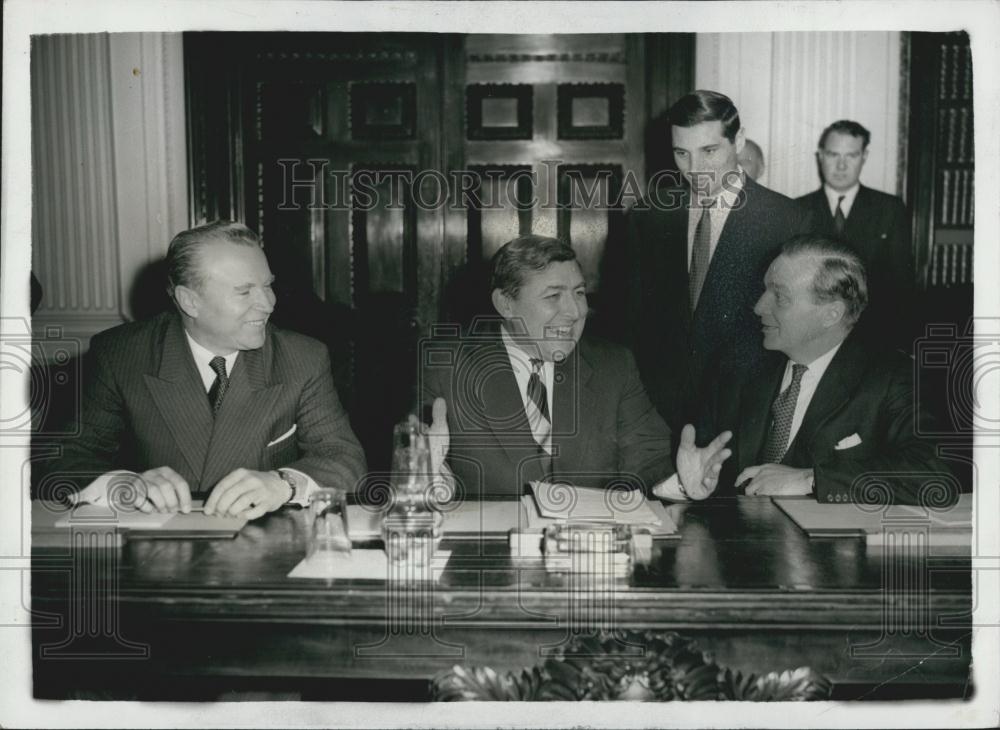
(290, 480)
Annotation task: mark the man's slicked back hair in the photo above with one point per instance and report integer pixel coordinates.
(523, 254)
(706, 106)
(183, 263)
(846, 126)
(840, 272)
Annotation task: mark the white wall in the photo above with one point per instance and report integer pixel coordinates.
(789, 86)
(109, 170)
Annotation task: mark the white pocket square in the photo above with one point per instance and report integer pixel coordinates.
(848, 442)
(283, 436)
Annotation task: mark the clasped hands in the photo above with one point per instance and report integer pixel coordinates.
(244, 493)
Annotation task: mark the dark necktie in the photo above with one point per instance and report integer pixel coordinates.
(538, 406)
(782, 412)
(701, 254)
(839, 220)
(218, 390)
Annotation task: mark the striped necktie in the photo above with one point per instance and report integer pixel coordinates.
(782, 412)
(538, 407)
(218, 390)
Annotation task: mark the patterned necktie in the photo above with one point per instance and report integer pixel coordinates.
(782, 412)
(538, 407)
(700, 255)
(839, 220)
(218, 390)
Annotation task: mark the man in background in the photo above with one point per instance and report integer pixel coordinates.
(874, 223)
(696, 259)
(752, 160)
(210, 400)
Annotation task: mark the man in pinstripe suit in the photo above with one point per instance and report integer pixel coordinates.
(211, 401)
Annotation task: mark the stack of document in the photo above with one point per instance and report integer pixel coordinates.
(552, 503)
(946, 526)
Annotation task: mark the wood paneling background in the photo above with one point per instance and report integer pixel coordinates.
(380, 133)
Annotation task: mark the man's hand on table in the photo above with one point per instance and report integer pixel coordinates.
(697, 469)
(248, 494)
(161, 490)
(773, 480)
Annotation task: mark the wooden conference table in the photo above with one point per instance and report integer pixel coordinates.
(199, 616)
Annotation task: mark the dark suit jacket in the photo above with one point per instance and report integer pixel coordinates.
(145, 406)
(678, 353)
(878, 228)
(864, 392)
(604, 427)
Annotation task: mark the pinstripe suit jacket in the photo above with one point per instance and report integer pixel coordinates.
(144, 406)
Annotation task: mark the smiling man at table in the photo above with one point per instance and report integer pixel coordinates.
(834, 416)
(211, 401)
(541, 401)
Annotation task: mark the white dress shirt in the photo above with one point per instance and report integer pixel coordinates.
(832, 196)
(520, 363)
(670, 488)
(717, 214)
(203, 357)
(807, 386)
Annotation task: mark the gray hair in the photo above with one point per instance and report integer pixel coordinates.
(840, 273)
(183, 258)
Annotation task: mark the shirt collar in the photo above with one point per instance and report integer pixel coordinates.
(817, 367)
(832, 196)
(729, 195)
(202, 356)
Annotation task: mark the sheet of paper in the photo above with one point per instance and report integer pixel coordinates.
(486, 518)
(664, 527)
(851, 519)
(367, 565)
(473, 517)
(193, 524)
(566, 502)
(94, 514)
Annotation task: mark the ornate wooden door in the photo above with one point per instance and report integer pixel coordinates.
(383, 170)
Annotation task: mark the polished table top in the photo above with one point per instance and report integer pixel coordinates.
(746, 548)
(742, 580)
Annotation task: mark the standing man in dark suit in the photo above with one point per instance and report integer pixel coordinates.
(211, 400)
(539, 401)
(832, 416)
(876, 224)
(697, 256)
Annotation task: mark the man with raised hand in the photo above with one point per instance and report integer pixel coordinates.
(539, 400)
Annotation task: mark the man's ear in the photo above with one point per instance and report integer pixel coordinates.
(864, 155)
(501, 303)
(740, 140)
(187, 300)
(834, 313)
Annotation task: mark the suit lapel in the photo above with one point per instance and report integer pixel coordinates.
(571, 391)
(248, 402)
(675, 257)
(505, 413)
(859, 220)
(179, 395)
(755, 415)
(834, 391)
(822, 217)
